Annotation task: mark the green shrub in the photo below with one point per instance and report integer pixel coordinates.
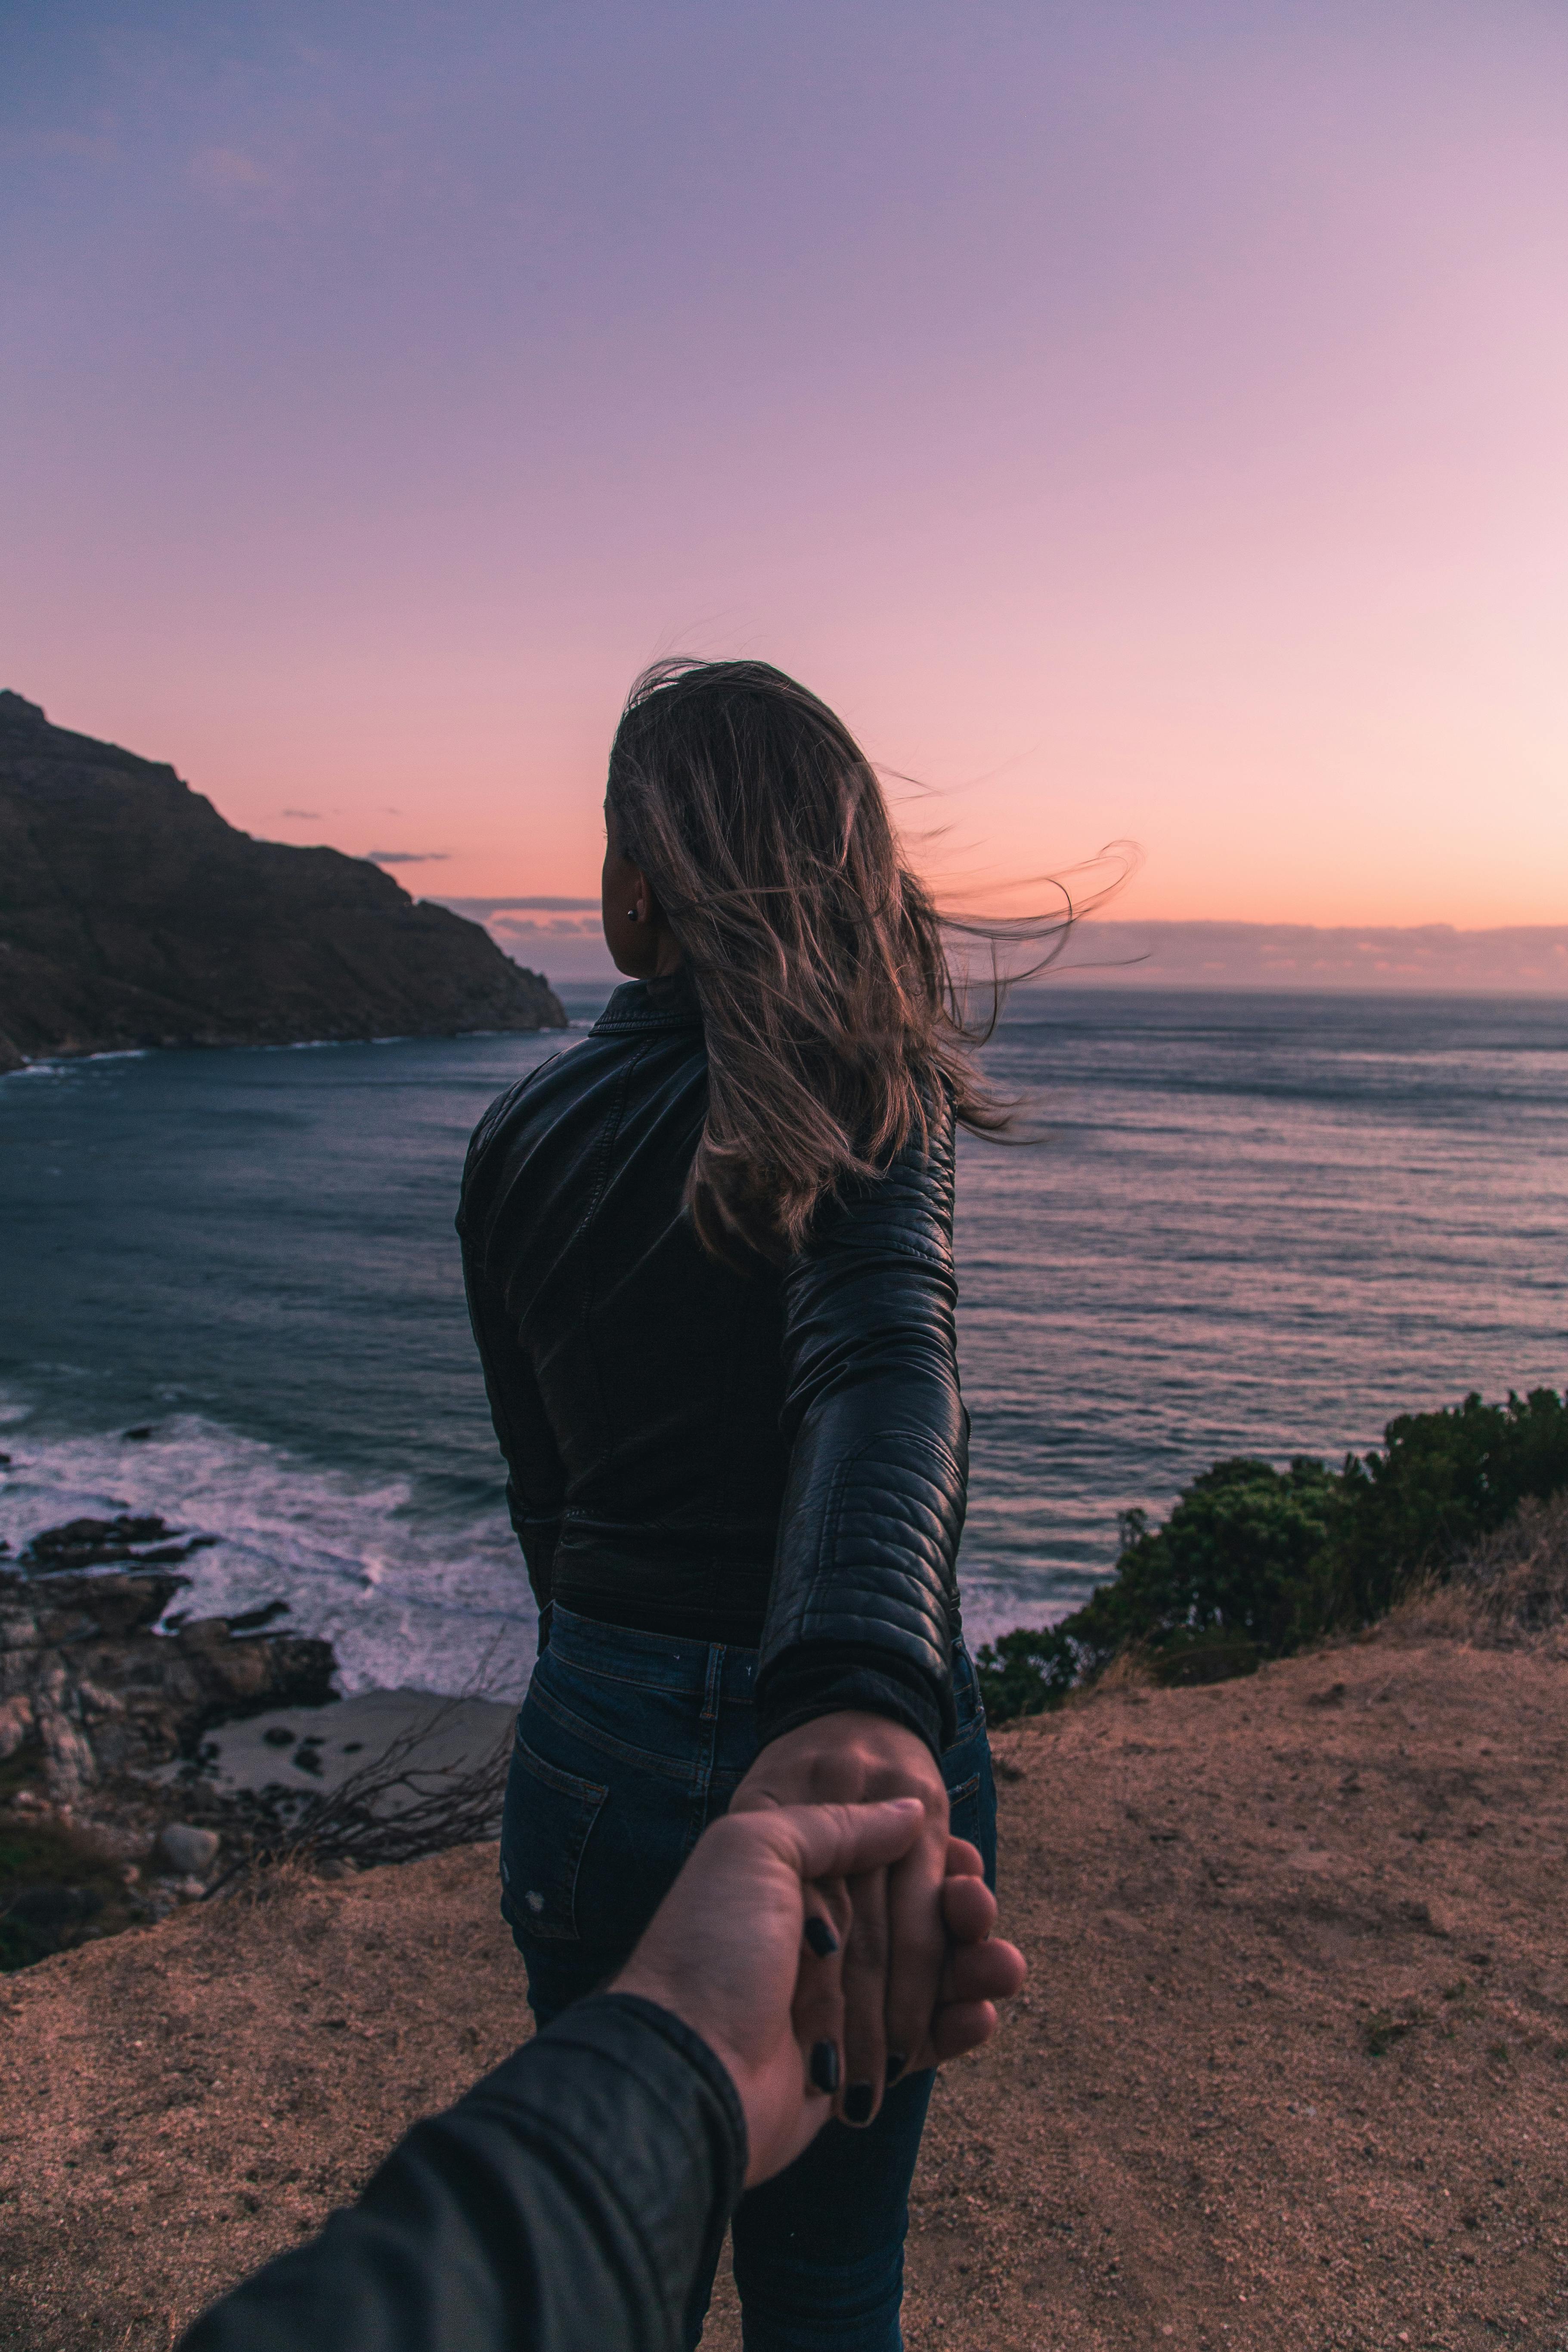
(1253, 1561)
(1236, 1556)
(1441, 1480)
(1189, 1660)
(1024, 1672)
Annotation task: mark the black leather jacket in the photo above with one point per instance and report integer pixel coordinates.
(774, 1457)
(565, 2205)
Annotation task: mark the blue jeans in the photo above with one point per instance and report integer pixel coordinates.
(627, 1746)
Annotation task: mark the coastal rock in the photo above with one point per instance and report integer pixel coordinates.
(99, 1543)
(189, 1852)
(71, 1767)
(133, 915)
(83, 1673)
(17, 1726)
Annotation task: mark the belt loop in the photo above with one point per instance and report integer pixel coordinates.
(713, 1687)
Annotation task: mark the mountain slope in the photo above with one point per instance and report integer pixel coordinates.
(132, 914)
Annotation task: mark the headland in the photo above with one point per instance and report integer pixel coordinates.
(132, 915)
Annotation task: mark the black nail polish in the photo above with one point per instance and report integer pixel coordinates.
(897, 2062)
(857, 2103)
(824, 2066)
(821, 1937)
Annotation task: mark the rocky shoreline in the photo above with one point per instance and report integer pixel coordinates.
(146, 1755)
(105, 1820)
(85, 1677)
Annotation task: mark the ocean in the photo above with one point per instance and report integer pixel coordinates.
(1233, 1224)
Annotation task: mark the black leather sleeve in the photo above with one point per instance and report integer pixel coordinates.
(862, 1608)
(564, 2205)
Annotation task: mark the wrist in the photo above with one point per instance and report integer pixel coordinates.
(813, 1682)
(884, 1739)
(650, 1989)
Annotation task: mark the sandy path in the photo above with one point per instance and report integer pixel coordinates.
(1292, 2069)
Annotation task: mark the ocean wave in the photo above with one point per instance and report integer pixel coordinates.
(407, 1596)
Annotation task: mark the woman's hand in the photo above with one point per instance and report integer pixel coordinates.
(896, 1941)
(725, 1951)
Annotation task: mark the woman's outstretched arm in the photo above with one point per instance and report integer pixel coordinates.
(855, 1690)
(863, 1606)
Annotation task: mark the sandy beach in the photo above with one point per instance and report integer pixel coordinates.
(1291, 2069)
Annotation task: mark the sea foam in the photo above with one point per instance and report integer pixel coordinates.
(403, 1598)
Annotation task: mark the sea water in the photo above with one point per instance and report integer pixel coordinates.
(1232, 1223)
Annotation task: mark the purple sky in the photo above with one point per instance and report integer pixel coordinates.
(1139, 421)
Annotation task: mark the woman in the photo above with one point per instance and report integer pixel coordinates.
(709, 1253)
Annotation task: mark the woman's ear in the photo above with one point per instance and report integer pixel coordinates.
(640, 941)
(628, 909)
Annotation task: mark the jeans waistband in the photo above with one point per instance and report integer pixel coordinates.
(661, 1662)
(667, 1662)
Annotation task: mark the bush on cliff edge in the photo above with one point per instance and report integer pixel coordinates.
(1253, 1561)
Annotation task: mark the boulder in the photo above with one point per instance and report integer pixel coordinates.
(189, 1851)
(16, 1724)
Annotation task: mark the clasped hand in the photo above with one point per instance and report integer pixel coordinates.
(909, 1966)
(888, 1919)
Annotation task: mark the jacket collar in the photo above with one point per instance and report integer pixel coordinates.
(667, 1003)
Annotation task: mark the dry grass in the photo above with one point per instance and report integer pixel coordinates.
(1512, 1589)
(1291, 2070)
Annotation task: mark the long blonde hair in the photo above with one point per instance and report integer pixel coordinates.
(831, 1010)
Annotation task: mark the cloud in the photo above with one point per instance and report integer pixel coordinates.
(561, 936)
(1520, 960)
(312, 816)
(481, 909)
(554, 926)
(407, 857)
(224, 170)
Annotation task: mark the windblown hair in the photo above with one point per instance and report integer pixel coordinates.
(831, 1012)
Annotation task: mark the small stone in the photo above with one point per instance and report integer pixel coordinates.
(189, 1851)
(16, 1724)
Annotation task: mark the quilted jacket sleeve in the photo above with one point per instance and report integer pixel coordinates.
(863, 1604)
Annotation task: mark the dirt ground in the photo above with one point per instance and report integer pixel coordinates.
(1291, 2069)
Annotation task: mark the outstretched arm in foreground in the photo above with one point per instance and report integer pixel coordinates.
(566, 2202)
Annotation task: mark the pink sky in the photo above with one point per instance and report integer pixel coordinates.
(1138, 421)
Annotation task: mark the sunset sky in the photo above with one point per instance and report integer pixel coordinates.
(1139, 420)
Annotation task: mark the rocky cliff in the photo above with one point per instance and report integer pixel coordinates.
(132, 914)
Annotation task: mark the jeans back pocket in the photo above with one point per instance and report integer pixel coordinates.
(548, 1821)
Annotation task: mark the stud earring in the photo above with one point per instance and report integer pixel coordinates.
(631, 914)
